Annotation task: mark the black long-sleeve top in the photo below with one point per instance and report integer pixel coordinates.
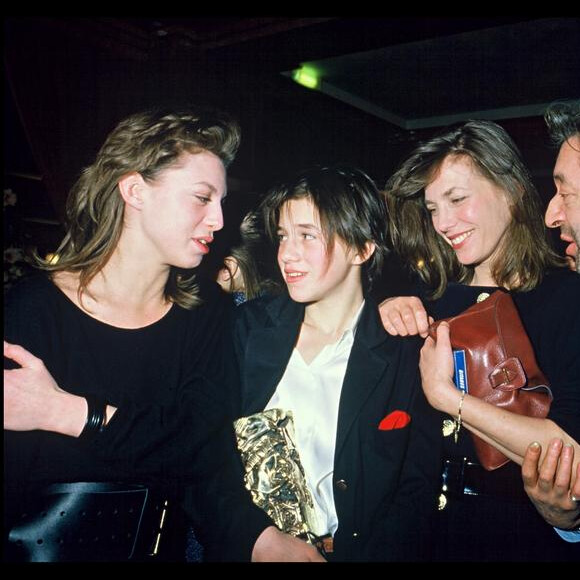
(550, 314)
(496, 528)
(174, 394)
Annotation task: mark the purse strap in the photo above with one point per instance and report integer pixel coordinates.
(509, 375)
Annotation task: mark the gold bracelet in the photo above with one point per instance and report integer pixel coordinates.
(458, 420)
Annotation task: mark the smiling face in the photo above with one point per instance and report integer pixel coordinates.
(181, 209)
(312, 270)
(564, 208)
(470, 212)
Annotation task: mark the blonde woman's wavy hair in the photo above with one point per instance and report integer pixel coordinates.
(147, 143)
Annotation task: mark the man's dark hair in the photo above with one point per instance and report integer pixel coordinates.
(563, 120)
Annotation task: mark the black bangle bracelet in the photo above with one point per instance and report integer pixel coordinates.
(96, 415)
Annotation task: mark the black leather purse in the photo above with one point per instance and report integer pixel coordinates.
(90, 522)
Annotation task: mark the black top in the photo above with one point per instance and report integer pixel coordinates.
(551, 316)
(499, 523)
(174, 394)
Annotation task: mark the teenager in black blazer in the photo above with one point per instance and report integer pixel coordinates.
(375, 431)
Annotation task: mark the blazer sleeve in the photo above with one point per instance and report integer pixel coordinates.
(226, 520)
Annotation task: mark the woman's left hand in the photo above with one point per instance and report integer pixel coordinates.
(29, 392)
(436, 365)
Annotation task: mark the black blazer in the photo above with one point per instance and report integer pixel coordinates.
(384, 480)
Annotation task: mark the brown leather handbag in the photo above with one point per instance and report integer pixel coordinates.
(495, 361)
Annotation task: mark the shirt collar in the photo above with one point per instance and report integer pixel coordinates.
(350, 330)
(347, 337)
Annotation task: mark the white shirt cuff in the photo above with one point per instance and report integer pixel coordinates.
(569, 535)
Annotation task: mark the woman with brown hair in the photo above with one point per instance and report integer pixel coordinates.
(466, 217)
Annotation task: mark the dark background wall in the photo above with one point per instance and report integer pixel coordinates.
(68, 81)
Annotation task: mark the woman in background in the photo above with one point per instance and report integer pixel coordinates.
(246, 272)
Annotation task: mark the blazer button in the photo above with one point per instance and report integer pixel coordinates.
(341, 485)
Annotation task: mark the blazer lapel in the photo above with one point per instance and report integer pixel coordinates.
(268, 351)
(367, 364)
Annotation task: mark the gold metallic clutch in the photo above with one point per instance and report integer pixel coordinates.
(273, 471)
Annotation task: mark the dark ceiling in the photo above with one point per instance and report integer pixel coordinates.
(385, 84)
(411, 72)
(511, 70)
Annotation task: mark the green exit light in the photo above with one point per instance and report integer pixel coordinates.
(306, 77)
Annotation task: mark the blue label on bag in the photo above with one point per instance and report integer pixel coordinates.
(460, 373)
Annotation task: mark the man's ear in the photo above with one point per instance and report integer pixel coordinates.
(130, 186)
(367, 252)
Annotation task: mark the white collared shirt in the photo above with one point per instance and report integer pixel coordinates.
(312, 393)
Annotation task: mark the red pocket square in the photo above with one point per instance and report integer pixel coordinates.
(395, 420)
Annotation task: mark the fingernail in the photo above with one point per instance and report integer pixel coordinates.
(535, 445)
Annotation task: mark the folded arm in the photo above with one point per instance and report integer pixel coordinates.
(33, 400)
(509, 432)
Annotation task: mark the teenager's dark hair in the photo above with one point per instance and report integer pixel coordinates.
(349, 204)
